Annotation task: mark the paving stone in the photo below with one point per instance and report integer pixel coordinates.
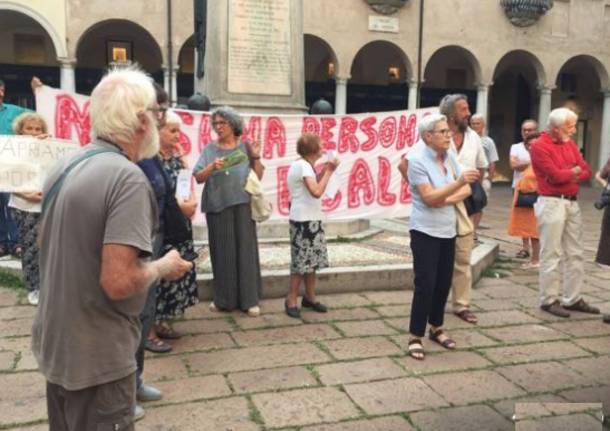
(17, 312)
(472, 387)
(391, 297)
(193, 343)
(369, 347)
(534, 352)
(525, 279)
(493, 284)
(493, 305)
(531, 404)
(524, 411)
(586, 328)
(7, 360)
(469, 338)
(164, 368)
(285, 335)
(40, 427)
(543, 376)
(599, 345)
(253, 358)
(16, 328)
(369, 327)
(269, 306)
(568, 408)
(394, 396)
(225, 414)
(304, 407)
(339, 314)
(595, 394)
(267, 320)
(575, 316)
(22, 386)
(202, 311)
(461, 418)
(345, 300)
(505, 317)
(580, 422)
(359, 371)
(271, 380)
(508, 291)
(22, 410)
(17, 344)
(596, 369)
(394, 310)
(399, 323)
(453, 322)
(450, 361)
(8, 297)
(27, 361)
(193, 388)
(524, 334)
(202, 326)
(388, 423)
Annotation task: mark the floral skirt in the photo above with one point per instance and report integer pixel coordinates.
(27, 223)
(307, 247)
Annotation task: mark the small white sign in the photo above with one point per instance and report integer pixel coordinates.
(383, 24)
(183, 184)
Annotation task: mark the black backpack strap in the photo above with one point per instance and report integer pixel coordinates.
(49, 197)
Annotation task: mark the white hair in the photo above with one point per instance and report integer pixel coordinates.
(559, 116)
(172, 118)
(429, 122)
(116, 102)
(478, 116)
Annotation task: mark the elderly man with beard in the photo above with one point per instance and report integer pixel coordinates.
(560, 169)
(470, 154)
(98, 218)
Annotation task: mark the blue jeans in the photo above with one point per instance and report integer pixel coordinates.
(9, 237)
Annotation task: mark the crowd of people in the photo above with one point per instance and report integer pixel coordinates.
(133, 239)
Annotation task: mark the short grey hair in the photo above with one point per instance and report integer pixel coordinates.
(429, 122)
(447, 105)
(172, 118)
(478, 116)
(559, 116)
(232, 117)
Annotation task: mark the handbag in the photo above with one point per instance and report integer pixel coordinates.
(526, 200)
(175, 225)
(477, 200)
(260, 207)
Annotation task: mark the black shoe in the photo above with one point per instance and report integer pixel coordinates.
(556, 309)
(293, 312)
(606, 318)
(582, 306)
(315, 306)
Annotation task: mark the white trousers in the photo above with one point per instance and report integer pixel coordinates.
(561, 252)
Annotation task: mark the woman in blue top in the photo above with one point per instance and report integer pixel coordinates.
(231, 230)
(437, 184)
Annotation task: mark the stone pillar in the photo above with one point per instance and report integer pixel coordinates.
(166, 82)
(412, 102)
(66, 74)
(341, 94)
(544, 106)
(482, 94)
(604, 142)
(174, 85)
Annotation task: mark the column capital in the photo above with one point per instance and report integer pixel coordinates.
(544, 89)
(483, 86)
(342, 79)
(66, 61)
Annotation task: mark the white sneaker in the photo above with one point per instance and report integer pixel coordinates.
(138, 413)
(254, 311)
(33, 297)
(213, 307)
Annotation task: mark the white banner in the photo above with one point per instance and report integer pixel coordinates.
(27, 160)
(369, 147)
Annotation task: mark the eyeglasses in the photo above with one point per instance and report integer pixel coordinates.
(160, 113)
(444, 132)
(219, 123)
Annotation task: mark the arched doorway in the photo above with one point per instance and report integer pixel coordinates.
(320, 68)
(27, 50)
(578, 86)
(115, 42)
(379, 75)
(186, 70)
(512, 99)
(451, 69)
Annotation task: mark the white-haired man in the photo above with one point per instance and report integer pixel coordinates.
(99, 215)
(470, 155)
(560, 169)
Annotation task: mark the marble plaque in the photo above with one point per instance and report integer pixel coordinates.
(259, 47)
(383, 24)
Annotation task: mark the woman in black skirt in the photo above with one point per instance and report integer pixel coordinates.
(603, 248)
(307, 240)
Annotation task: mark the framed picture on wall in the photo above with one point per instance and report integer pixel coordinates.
(119, 51)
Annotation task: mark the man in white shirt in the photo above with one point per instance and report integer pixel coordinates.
(519, 161)
(470, 154)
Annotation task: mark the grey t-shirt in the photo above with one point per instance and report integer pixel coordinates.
(223, 188)
(489, 146)
(82, 338)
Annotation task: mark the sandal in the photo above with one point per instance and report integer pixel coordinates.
(523, 254)
(447, 343)
(416, 349)
(467, 316)
(165, 331)
(156, 345)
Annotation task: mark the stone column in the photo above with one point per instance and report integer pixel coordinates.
(544, 107)
(482, 94)
(174, 85)
(412, 102)
(66, 74)
(341, 94)
(166, 82)
(604, 142)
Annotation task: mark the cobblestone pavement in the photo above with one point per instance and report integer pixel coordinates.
(519, 368)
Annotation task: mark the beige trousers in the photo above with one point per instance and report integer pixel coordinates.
(462, 274)
(561, 252)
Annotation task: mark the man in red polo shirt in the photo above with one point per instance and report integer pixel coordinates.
(560, 169)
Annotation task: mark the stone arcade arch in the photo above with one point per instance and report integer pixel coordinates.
(321, 68)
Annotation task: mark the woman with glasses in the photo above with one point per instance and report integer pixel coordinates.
(223, 167)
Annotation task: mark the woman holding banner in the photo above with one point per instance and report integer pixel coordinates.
(25, 209)
(438, 185)
(307, 241)
(223, 167)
